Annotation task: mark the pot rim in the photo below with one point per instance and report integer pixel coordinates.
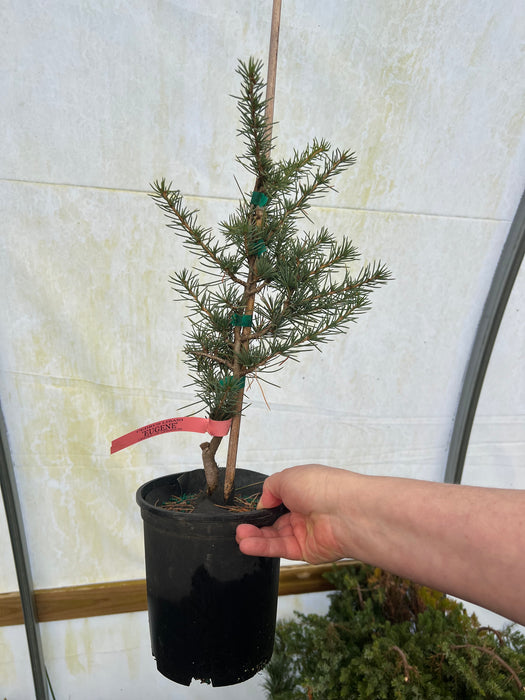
(264, 516)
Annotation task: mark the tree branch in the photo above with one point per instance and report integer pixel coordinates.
(211, 470)
(183, 222)
(320, 180)
(210, 356)
(496, 657)
(406, 666)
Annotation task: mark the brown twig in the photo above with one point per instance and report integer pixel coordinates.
(211, 470)
(496, 657)
(406, 666)
(360, 597)
(498, 634)
(210, 356)
(247, 486)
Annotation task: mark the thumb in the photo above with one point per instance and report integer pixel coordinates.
(268, 499)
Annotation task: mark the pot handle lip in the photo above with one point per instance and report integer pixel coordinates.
(283, 510)
(279, 510)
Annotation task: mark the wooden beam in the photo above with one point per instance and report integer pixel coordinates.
(77, 601)
(307, 578)
(130, 596)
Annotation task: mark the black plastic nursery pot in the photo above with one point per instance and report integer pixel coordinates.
(211, 609)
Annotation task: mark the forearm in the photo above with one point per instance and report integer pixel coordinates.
(463, 540)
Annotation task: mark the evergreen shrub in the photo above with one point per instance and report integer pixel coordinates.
(386, 637)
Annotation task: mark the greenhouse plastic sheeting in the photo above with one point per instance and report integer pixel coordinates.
(98, 100)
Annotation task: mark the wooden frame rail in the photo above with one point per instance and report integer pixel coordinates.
(130, 596)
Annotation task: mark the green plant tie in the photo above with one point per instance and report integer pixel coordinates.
(242, 320)
(259, 199)
(241, 381)
(258, 248)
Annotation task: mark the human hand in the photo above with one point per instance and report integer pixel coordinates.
(312, 531)
(441, 535)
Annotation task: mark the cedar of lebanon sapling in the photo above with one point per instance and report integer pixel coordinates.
(271, 291)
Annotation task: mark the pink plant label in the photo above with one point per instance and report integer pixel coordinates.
(217, 428)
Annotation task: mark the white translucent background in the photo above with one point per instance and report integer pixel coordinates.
(100, 98)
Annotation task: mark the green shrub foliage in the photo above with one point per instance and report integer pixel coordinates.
(385, 637)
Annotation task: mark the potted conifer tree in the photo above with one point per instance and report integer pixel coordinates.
(270, 293)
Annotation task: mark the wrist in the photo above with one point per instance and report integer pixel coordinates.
(351, 511)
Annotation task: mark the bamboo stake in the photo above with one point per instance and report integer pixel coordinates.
(233, 444)
(272, 64)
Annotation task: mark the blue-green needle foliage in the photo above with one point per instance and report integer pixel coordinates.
(295, 285)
